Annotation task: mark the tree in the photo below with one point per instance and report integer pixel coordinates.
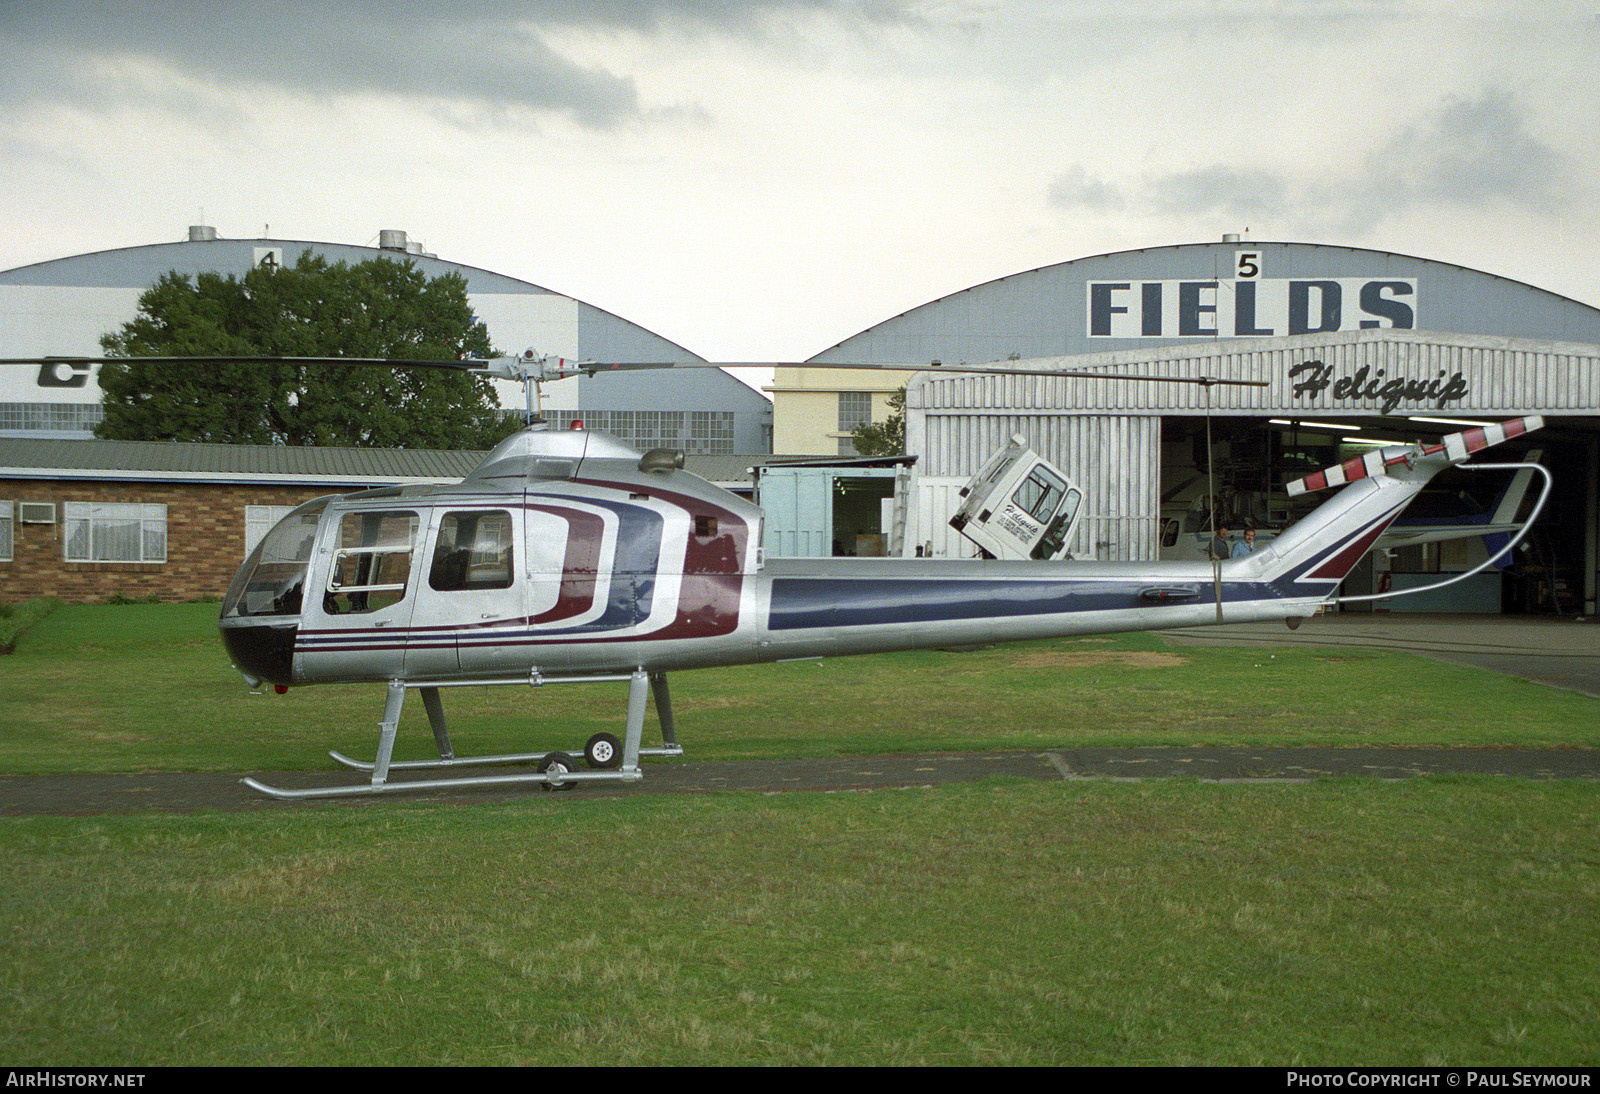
(888, 437)
(378, 308)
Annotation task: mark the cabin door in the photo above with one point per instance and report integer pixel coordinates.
(471, 614)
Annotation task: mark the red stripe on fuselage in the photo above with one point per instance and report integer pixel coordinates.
(1337, 566)
(713, 566)
(580, 568)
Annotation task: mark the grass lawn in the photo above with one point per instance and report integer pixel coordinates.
(1430, 922)
(147, 687)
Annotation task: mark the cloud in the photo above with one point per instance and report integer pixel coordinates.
(1076, 190)
(1464, 152)
(1219, 189)
(1214, 191)
(491, 54)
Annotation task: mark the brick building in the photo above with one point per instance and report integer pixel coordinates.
(88, 520)
(85, 521)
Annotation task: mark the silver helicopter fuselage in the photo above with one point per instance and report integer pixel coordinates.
(567, 555)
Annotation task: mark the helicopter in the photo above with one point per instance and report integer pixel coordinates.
(568, 557)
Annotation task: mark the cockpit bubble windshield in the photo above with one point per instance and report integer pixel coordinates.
(272, 580)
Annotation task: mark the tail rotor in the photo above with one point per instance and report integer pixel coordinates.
(1404, 461)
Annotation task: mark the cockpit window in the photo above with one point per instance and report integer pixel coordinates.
(473, 552)
(272, 580)
(371, 562)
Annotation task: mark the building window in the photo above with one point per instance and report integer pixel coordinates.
(710, 433)
(6, 526)
(696, 432)
(34, 418)
(115, 532)
(855, 411)
(258, 521)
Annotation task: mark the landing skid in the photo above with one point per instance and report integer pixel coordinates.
(611, 761)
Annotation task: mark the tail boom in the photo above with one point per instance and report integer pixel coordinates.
(830, 607)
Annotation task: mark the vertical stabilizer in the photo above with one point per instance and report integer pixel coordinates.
(1314, 555)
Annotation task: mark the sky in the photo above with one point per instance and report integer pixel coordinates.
(760, 180)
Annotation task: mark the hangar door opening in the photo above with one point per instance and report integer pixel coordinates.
(1452, 527)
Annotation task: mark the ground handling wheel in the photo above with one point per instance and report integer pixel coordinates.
(603, 752)
(555, 765)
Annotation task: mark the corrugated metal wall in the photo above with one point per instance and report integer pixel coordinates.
(1114, 459)
(1106, 434)
(1501, 376)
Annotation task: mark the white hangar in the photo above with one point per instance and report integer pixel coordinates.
(64, 306)
(1355, 347)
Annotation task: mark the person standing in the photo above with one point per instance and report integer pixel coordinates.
(1219, 544)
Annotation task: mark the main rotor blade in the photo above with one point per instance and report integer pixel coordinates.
(388, 362)
(556, 368)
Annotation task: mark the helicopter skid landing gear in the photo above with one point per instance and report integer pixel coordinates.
(669, 730)
(612, 760)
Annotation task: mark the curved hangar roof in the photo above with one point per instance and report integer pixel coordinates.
(63, 306)
(1203, 292)
(70, 302)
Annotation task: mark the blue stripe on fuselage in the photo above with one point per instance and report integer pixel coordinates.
(816, 602)
(633, 572)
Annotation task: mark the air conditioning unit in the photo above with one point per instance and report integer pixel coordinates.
(38, 512)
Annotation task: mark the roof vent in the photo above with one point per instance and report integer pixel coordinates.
(392, 239)
(201, 233)
(1230, 237)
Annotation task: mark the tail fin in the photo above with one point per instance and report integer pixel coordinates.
(1505, 510)
(1313, 556)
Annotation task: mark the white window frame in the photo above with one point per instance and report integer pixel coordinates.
(8, 532)
(91, 524)
(855, 411)
(259, 520)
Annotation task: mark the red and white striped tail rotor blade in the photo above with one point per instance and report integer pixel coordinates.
(1365, 466)
(1455, 448)
(1458, 446)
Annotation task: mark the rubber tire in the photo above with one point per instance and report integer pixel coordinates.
(561, 762)
(603, 752)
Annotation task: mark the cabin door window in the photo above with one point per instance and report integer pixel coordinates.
(472, 612)
(371, 568)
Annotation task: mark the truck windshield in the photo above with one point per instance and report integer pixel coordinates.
(1039, 494)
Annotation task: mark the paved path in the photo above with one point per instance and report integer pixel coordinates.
(1563, 653)
(80, 795)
